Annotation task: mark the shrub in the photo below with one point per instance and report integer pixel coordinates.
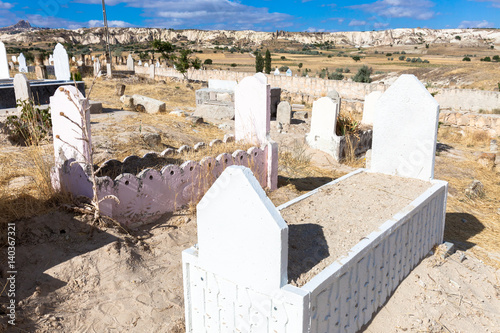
(466, 59)
(408, 59)
(300, 65)
(356, 58)
(458, 38)
(283, 57)
(402, 57)
(283, 69)
(347, 70)
(336, 76)
(376, 52)
(233, 65)
(487, 59)
(339, 70)
(388, 54)
(496, 58)
(403, 52)
(31, 126)
(208, 62)
(76, 76)
(363, 75)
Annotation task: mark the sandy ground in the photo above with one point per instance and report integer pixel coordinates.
(72, 278)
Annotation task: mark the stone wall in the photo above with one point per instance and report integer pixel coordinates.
(488, 122)
(306, 90)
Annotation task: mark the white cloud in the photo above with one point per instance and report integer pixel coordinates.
(494, 3)
(112, 24)
(339, 20)
(475, 24)
(311, 29)
(357, 23)
(378, 25)
(205, 14)
(5, 5)
(417, 9)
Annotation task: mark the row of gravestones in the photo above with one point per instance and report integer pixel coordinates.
(61, 63)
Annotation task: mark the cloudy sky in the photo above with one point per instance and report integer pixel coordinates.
(261, 15)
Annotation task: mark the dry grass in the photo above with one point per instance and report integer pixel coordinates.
(173, 93)
(464, 138)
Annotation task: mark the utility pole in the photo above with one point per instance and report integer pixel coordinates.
(108, 51)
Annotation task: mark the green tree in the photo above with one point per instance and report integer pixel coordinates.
(363, 75)
(208, 61)
(300, 65)
(496, 58)
(466, 59)
(183, 62)
(267, 62)
(356, 58)
(165, 48)
(259, 63)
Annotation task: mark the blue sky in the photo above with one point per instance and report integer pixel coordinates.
(261, 15)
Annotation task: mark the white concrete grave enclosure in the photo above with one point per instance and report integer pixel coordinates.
(4, 65)
(235, 278)
(150, 193)
(61, 63)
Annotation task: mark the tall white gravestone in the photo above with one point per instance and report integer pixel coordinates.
(130, 63)
(252, 109)
(22, 64)
(61, 63)
(405, 130)
(4, 65)
(22, 89)
(369, 107)
(323, 124)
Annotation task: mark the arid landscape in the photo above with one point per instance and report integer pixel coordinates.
(75, 275)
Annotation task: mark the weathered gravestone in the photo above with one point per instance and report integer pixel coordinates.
(405, 130)
(252, 109)
(284, 113)
(369, 107)
(61, 63)
(288, 72)
(22, 89)
(139, 63)
(334, 95)
(277, 71)
(130, 63)
(22, 64)
(70, 115)
(14, 58)
(97, 68)
(323, 124)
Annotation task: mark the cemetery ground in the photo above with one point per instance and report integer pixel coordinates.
(76, 277)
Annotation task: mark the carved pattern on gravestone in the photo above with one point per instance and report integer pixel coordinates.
(4, 66)
(225, 239)
(252, 109)
(405, 130)
(61, 63)
(22, 64)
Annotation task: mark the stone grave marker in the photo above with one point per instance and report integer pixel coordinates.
(97, 68)
(14, 59)
(277, 71)
(323, 123)
(288, 72)
(61, 63)
(22, 64)
(284, 113)
(369, 107)
(222, 84)
(405, 130)
(252, 109)
(4, 66)
(22, 89)
(130, 63)
(139, 63)
(224, 241)
(334, 95)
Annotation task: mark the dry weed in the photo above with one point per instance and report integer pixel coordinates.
(468, 137)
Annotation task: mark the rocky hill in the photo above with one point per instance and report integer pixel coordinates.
(203, 38)
(19, 27)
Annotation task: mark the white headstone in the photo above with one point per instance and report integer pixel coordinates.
(4, 65)
(334, 95)
(152, 71)
(323, 124)
(130, 63)
(139, 63)
(284, 113)
(68, 102)
(238, 226)
(51, 59)
(97, 68)
(146, 64)
(252, 109)
(61, 63)
(73, 59)
(22, 89)
(369, 107)
(157, 64)
(288, 72)
(109, 71)
(22, 64)
(277, 71)
(14, 59)
(405, 130)
(261, 77)
(222, 84)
